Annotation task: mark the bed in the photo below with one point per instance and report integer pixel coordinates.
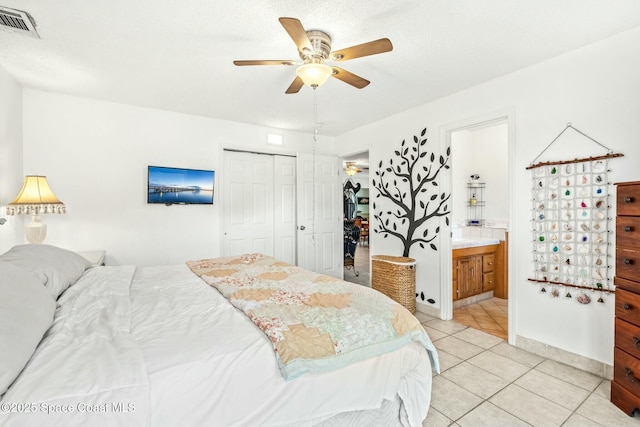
(163, 346)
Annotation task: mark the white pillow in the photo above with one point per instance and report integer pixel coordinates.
(26, 312)
(57, 268)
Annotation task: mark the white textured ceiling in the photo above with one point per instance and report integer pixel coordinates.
(177, 55)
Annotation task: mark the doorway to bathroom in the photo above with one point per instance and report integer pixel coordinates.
(480, 225)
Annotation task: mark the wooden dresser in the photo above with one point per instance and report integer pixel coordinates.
(625, 387)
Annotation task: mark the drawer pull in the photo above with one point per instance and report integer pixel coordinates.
(628, 261)
(628, 199)
(630, 376)
(626, 306)
(636, 341)
(628, 228)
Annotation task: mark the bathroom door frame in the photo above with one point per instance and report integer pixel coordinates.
(446, 289)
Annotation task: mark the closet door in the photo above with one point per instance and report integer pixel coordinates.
(319, 212)
(284, 208)
(248, 207)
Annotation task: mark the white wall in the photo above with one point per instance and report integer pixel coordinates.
(95, 155)
(483, 151)
(10, 156)
(596, 88)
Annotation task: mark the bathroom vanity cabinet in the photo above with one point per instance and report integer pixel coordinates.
(474, 270)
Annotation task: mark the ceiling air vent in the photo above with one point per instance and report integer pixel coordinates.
(18, 21)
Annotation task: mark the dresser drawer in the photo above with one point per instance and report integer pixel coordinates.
(627, 285)
(488, 263)
(628, 231)
(628, 263)
(628, 306)
(628, 337)
(628, 200)
(488, 281)
(623, 399)
(626, 371)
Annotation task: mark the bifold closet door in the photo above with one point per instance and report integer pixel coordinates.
(284, 208)
(248, 206)
(260, 205)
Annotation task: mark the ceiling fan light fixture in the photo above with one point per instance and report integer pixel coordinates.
(314, 75)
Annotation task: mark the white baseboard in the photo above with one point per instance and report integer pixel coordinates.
(428, 309)
(583, 363)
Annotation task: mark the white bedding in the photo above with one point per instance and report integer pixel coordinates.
(163, 343)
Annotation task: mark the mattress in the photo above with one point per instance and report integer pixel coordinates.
(157, 346)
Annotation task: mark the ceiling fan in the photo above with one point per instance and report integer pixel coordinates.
(314, 48)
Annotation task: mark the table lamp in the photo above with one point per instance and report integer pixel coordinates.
(34, 199)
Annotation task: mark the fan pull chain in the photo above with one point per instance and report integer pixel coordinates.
(313, 156)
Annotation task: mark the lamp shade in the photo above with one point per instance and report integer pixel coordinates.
(35, 198)
(314, 75)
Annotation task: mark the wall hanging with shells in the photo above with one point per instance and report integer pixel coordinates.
(571, 226)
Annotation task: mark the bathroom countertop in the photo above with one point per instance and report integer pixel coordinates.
(470, 243)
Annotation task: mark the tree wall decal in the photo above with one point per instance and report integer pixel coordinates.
(410, 185)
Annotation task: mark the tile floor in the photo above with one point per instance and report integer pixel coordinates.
(486, 382)
(489, 316)
(361, 262)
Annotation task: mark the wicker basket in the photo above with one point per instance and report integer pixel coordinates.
(395, 277)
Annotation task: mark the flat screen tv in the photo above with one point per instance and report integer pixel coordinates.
(180, 186)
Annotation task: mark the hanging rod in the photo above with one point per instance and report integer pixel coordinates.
(566, 162)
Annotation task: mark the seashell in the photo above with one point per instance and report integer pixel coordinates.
(599, 203)
(584, 227)
(567, 183)
(567, 236)
(584, 179)
(598, 261)
(584, 299)
(555, 293)
(554, 238)
(554, 195)
(596, 226)
(555, 257)
(600, 215)
(584, 192)
(541, 206)
(568, 168)
(568, 227)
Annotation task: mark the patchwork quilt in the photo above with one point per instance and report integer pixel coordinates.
(315, 322)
